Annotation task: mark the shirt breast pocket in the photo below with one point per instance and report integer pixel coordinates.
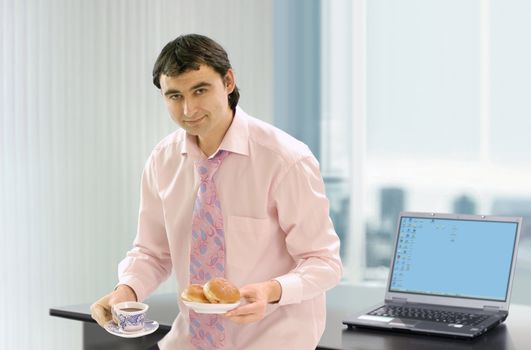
(247, 239)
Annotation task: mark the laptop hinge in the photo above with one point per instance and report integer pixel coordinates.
(399, 300)
(491, 308)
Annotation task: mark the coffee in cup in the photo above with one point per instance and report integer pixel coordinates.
(130, 315)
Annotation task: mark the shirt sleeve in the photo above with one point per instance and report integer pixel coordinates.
(148, 263)
(303, 212)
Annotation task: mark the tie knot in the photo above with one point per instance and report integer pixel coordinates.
(208, 167)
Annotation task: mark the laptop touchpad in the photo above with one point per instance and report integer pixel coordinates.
(403, 323)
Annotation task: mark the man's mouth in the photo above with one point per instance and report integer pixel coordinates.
(194, 121)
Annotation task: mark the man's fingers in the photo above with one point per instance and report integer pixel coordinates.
(100, 314)
(257, 297)
(246, 309)
(100, 311)
(244, 315)
(248, 293)
(247, 313)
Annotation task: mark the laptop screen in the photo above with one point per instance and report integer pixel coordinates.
(453, 257)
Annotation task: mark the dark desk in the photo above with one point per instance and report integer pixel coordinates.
(515, 333)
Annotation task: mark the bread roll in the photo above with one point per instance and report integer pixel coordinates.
(221, 291)
(194, 293)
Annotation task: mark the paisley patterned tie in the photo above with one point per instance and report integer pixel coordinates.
(207, 255)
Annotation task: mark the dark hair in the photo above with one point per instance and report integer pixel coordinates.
(188, 52)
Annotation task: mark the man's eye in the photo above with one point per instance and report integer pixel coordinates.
(175, 97)
(200, 91)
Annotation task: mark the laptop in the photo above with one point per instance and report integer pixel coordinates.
(450, 275)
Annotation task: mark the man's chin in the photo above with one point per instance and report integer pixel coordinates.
(194, 130)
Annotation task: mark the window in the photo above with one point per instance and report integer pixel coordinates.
(424, 108)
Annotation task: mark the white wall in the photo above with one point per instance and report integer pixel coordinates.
(78, 117)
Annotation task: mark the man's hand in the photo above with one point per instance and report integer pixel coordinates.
(258, 295)
(101, 309)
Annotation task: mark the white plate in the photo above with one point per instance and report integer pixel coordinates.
(204, 308)
(149, 327)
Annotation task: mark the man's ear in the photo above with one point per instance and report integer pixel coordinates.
(229, 81)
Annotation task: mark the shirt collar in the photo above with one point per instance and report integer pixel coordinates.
(236, 139)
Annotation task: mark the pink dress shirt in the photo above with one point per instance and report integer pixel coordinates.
(277, 226)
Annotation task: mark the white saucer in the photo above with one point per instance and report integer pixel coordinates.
(204, 308)
(149, 327)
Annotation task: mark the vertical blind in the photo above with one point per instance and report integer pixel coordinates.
(78, 117)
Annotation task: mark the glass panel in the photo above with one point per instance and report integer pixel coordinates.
(448, 113)
(423, 111)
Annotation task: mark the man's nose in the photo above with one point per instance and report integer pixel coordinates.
(188, 108)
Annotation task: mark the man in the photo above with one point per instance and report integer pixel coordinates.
(234, 193)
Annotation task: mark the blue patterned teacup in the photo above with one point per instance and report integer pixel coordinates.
(130, 315)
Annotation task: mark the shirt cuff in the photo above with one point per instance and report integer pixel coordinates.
(291, 289)
(135, 285)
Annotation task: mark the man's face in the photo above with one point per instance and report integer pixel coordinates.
(198, 101)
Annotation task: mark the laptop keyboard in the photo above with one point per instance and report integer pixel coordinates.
(418, 313)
